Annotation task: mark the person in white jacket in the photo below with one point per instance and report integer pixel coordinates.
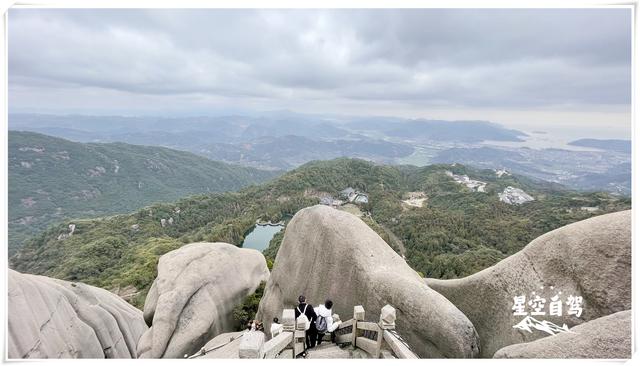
(324, 322)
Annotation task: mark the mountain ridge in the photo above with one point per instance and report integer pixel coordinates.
(51, 179)
(457, 232)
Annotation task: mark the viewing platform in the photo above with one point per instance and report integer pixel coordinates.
(354, 338)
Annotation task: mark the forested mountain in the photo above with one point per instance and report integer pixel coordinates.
(51, 179)
(280, 140)
(292, 151)
(454, 231)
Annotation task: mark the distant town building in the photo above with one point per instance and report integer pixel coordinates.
(501, 172)
(361, 198)
(474, 185)
(348, 193)
(353, 196)
(330, 201)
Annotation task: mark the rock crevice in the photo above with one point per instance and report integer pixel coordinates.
(327, 253)
(193, 296)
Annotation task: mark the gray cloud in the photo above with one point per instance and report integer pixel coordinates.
(541, 58)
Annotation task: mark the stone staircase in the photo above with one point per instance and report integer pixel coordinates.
(331, 350)
(355, 338)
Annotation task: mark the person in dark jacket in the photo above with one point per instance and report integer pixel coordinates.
(307, 309)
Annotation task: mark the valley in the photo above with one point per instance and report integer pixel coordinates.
(457, 232)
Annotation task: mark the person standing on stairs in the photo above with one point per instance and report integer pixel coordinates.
(307, 310)
(324, 321)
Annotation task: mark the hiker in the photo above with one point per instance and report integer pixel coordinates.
(307, 310)
(324, 322)
(255, 325)
(334, 326)
(258, 325)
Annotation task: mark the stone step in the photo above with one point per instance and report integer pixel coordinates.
(331, 350)
(328, 352)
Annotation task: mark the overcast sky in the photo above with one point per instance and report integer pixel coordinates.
(529, 69)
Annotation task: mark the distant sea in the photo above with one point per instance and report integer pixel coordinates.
(545, 140)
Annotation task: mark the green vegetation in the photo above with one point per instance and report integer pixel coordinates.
(246, 311)
(457, 232)
(51, 179)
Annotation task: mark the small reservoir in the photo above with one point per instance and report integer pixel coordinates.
(260, 236)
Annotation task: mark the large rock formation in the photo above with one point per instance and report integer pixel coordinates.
(327, 253)
(50, 318)
(590, 258)
(606, 337)
(192, 299)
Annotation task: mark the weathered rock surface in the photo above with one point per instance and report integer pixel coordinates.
(192, 299)
(327, 253)
(50, 318)
(590, 258)
(605, 337)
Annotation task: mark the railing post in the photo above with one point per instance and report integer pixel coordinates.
(387, 321)
(289, 325)
(387, 317)
(358, 315)
(288, 320)
(275, 330)
(251, 345)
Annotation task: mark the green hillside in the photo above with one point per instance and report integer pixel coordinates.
(456, 233)
(51, 179)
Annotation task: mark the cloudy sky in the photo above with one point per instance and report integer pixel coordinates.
(530, 69)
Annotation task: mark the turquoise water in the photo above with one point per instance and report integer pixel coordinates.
(260, 237)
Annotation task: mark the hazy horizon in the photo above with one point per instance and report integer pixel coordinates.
(556, 135)
(565, 71)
